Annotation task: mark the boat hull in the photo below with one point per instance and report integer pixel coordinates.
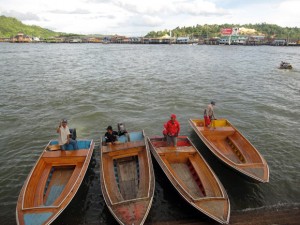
(192, 177)
(52, 183)
(127, 179)
(232, 148)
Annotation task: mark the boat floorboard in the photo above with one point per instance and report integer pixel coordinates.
(128, 178)
(226, 150)
(183, 172)
(59, 178)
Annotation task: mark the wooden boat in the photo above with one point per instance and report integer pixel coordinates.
(232, 148)
(192, 177)
(52, 183)
(127, 178)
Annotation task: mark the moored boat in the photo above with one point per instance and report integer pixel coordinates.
(52, 183)
(192, 177)
(127, 178)
(285, 65)
(232, 148)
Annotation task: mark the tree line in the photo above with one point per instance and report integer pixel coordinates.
(213, 30)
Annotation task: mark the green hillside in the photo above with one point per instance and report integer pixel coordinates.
(11, 27)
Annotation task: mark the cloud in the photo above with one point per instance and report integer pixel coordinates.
(199, 8)
(143, 21)
(169, 7)
(98, 1)
(103, 16)
(141, 17)
(76, 11)
(290, 6)
(236, 4)
(21, 16)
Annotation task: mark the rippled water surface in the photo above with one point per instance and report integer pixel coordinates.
(96, 85)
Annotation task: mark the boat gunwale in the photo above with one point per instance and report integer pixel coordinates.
(237, 166)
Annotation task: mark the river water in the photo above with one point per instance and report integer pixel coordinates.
(94, 85)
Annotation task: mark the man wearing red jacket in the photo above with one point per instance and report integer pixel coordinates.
(172, 130)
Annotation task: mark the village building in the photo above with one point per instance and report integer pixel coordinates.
(21, 38)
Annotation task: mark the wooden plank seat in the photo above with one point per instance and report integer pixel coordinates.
(61, 153)
(82, 144)
(187, 149)
(218, 132)
(127, 145)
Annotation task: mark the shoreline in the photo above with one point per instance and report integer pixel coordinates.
(289, 215)
(146, 43)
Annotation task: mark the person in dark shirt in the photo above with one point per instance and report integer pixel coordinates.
(111, 136)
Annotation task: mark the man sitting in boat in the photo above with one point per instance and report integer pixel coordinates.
(111, 136)
(64, 138)
(209, 113)
(172, 130)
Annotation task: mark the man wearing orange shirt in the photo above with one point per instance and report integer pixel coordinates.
(172, 130)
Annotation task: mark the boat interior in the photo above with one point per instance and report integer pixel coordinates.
(56, 173)
(229, 142)
(188, 168)
(127, 169)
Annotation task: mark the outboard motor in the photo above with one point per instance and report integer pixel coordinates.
(121, 129)
(73, 134)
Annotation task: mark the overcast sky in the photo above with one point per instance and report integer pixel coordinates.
(138, 17)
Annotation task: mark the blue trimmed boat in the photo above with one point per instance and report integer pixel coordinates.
(127, 178)
(52, 183)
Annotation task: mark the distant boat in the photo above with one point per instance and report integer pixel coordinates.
(285, 65)
(127, 178)
(192, 177)
(232, 148)
(52, 183)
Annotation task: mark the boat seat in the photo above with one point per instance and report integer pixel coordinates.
(60, 153)
(219, 131)
(168, 149)
(127, 145)
(129, 137)
(226, 128)
(136, 136)
(82, 144)
(122, 139)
